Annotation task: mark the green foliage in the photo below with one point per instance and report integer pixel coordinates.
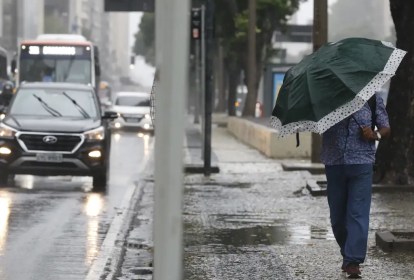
(231, 18)
(145, 38)
(232, 23)
(231, 27)
(241, 22)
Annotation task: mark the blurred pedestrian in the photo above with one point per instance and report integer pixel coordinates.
(348, 152)
(6, 94)
(47, 75)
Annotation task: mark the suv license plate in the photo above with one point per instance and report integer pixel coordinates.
(132, 119)
(49, 157)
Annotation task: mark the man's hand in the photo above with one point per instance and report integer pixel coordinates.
(368, 134)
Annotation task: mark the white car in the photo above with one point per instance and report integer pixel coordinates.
(133, 110)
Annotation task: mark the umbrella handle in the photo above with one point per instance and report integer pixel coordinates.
(297, 139)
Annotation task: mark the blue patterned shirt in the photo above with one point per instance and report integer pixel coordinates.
(343, 142)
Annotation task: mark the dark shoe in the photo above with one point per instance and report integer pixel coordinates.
(343, 268)
(352, 271)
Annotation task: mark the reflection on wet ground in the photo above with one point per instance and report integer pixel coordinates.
(53, 227)
(263, 235)
(5, 204)
(29, 183)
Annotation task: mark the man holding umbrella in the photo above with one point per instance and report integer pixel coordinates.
(332, 92)
(348, 152)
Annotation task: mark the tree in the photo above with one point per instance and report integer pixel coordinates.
(232, 26)
(395, 156)
(145, 38)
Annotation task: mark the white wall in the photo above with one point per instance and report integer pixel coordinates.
(75, 18)
(119, 40)
(31, 18)
(294, 50)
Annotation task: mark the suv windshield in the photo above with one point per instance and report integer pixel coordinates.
(134, 101)
(55, 102)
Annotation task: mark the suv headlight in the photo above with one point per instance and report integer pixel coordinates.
(7, 131)
(95, 134)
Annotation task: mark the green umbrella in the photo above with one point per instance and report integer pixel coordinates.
(333, 83)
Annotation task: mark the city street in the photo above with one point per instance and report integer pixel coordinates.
(177, 140)
(53, 227)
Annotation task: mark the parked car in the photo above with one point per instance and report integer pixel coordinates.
(55, 129)
(133, 109)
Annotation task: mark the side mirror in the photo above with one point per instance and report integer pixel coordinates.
(110, 115)
(107, 103)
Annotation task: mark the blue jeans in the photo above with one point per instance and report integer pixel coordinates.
(349, 199)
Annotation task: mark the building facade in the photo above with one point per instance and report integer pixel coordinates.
(119, 39)
(30, 19)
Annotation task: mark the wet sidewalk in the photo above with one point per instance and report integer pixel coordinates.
(253, 220)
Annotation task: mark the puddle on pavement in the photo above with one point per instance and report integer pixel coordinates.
(265, 235)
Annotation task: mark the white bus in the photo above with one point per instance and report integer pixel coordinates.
(57, 58)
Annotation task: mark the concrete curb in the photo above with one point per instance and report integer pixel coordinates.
(318, 188)
(314, 187)
(313, 168)
(266, 140)
(109, 259)
(395, 241)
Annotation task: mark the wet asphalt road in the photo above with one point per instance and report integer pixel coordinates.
(52, 227)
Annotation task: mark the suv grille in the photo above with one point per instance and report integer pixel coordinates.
(64, 143)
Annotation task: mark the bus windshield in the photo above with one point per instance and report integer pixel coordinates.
(53, 63)
(57, 69)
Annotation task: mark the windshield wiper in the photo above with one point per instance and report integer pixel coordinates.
(79, 107)
(46, 106)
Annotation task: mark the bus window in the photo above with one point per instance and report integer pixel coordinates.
(66, 63)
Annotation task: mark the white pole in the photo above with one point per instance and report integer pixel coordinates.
(172, 55)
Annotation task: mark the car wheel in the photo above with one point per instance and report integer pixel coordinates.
(4, 177)
(99, 181)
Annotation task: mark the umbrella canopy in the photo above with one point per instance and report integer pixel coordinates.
(333, 83)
